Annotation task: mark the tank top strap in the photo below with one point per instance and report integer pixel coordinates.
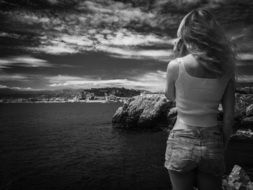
(180, 67)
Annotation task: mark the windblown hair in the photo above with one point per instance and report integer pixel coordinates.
(202, 36)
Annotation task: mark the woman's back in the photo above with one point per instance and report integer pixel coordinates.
(197, 98)
(195, 147)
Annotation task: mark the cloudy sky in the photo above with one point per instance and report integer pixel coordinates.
(59, 44)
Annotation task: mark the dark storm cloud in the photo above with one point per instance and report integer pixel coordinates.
(86, 25)
(121, 40)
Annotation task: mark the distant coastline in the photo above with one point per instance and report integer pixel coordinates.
(9, 101)
(93, 95)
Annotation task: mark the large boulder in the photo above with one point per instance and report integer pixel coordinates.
(249, 110)
(237, 180)
(242, 101)
(144, 111)
(244, 111)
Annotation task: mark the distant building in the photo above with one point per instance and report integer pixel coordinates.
(82, 96)
(86, 95)
(90, 96)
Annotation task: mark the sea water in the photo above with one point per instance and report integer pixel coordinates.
(74, 146)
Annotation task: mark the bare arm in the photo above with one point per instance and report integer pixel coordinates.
(228, 103)
(171, 76)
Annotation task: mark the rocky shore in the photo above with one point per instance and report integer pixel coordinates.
(156, 112)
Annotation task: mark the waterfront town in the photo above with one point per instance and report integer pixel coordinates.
(102, 95)
(88, 98)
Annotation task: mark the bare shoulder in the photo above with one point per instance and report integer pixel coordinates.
(173, 65)
(172, 68)
(190, 61)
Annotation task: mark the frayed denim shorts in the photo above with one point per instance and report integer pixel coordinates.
(200, 148)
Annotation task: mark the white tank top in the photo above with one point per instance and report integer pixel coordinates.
(197, 99)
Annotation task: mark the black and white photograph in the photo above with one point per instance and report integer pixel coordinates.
(126, 95)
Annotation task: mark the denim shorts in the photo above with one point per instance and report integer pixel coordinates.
(200, 148)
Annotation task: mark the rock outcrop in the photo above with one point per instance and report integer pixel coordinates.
(237, 180)
(249, 110)
(144, 111)
(243, 117)
(155, 110)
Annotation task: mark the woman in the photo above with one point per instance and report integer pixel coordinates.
(199, 79)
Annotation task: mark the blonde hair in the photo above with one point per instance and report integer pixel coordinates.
(202, 36)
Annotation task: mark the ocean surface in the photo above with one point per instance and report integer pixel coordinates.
(74, 146)
(62, 146)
